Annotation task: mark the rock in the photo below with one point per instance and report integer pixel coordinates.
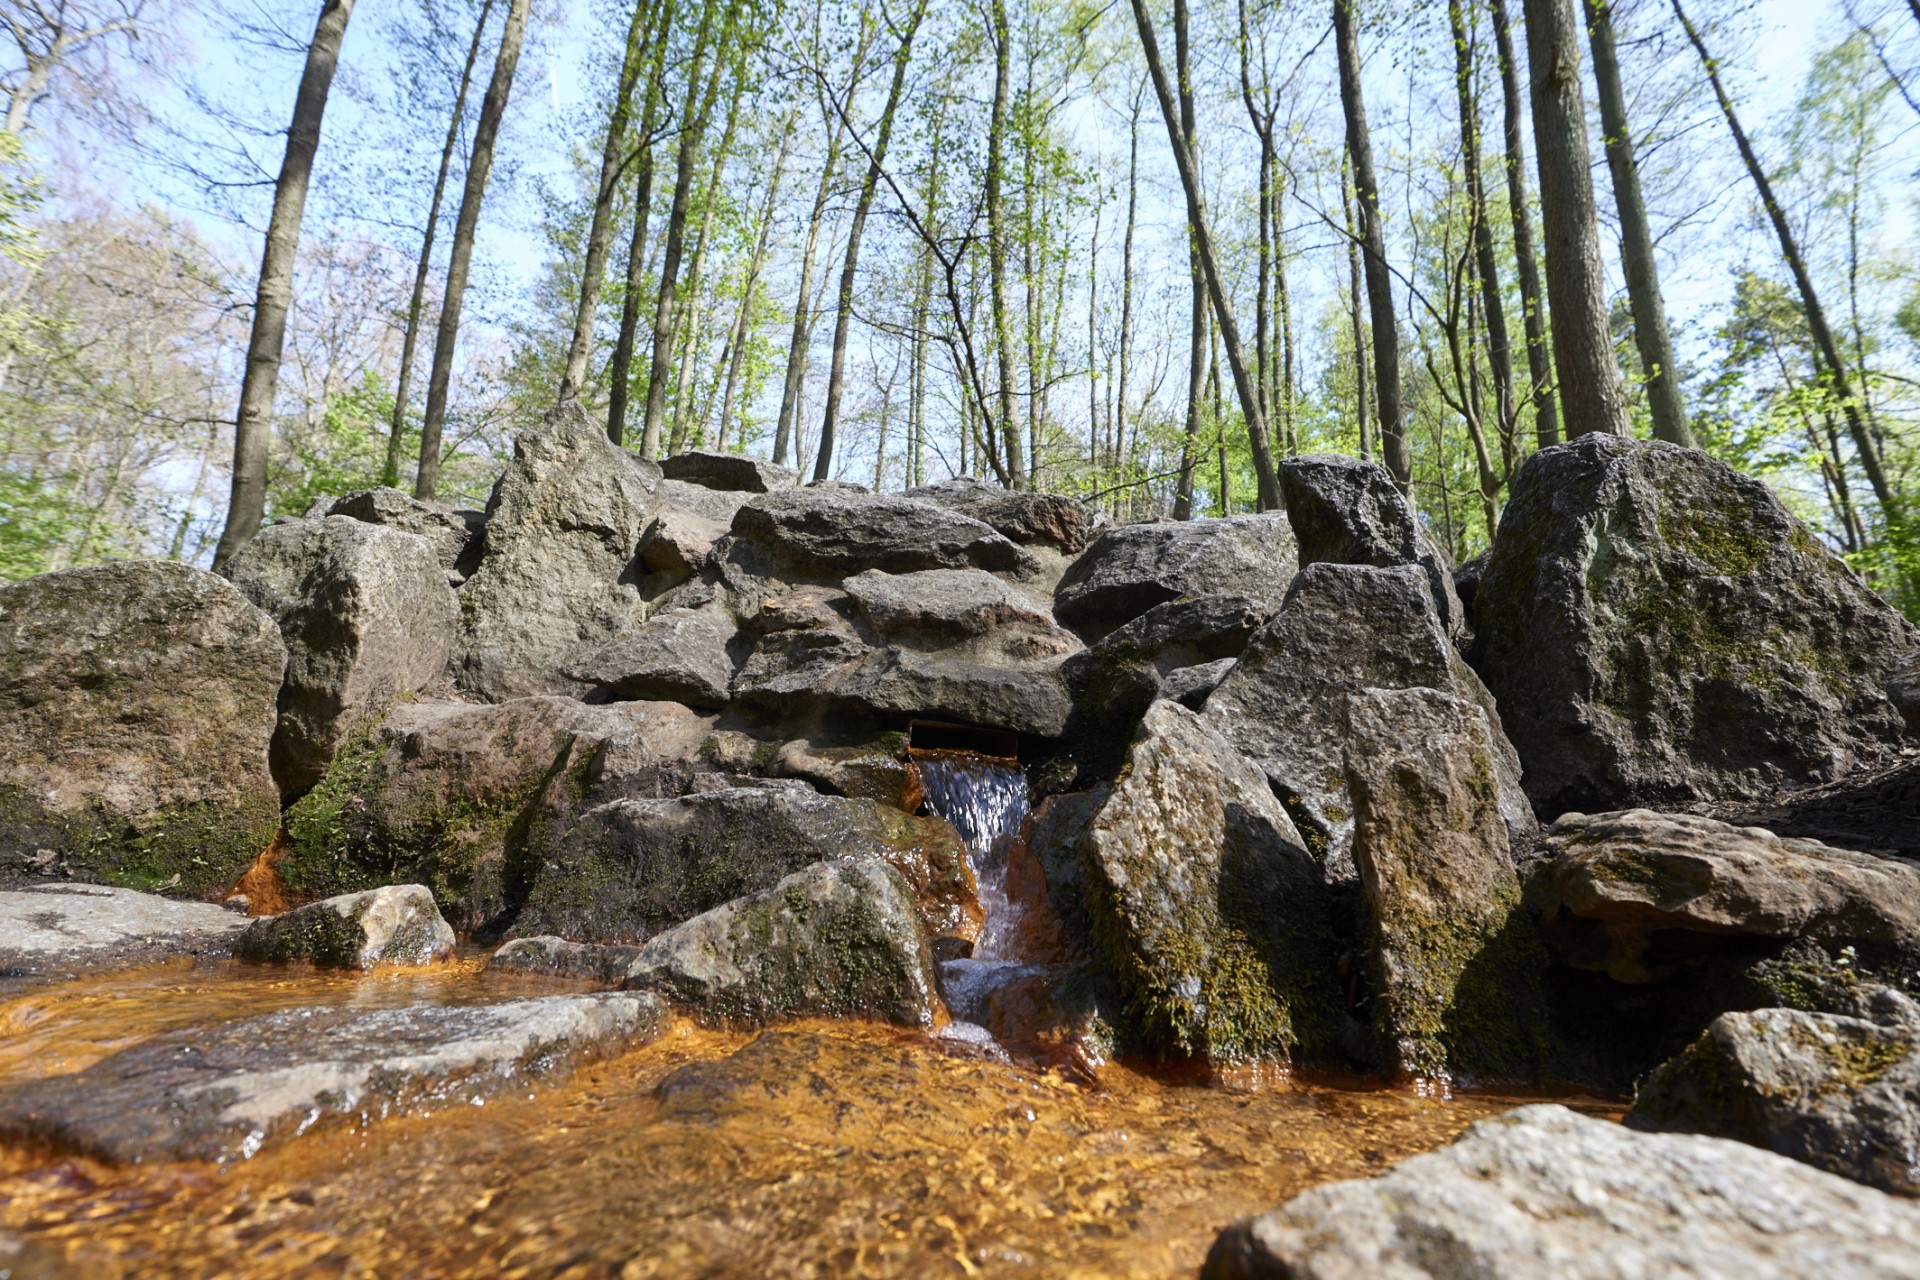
(1030, 519)
(366, 614)
(678, 544)
(1456, 960)
(136, 708)
(1542, 1191)
(442, 794)
(398, 924)
(557, 958)
(788, 671)
(1130, 569)
(557, 574)
(1658, 628)
(1903, 691)
(940, 606)
(838, 939)
(1348, 511)
(1204, 905)
(678, 655)
(1637, 894)
(1023, 697)
(56, 930)
(875, 770)
(734, 472)
(1841, 1094)
(631, 868)
(1192, 686)
(717, 505)
(226, 1092)
(455, 535)
(1344, 628)
(828, 533)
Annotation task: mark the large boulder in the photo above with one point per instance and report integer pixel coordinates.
(444, 793)
(1349, 511)
(838, 939)
(557, 573)
(57, 930)
(1542, 1191)
(1639, 895)
(1204, 906)
(676, 655)
(631, 868)
(137, 703)
(1456, 958)
(1344, 628)
(1030, 519)
(1659, 628)
(729, 472)
(366, 614)
(226, 1092)
(1841, 1094)
(830, 533)
(393, 925)
(936, 607)
(1130, 569)
(988, 690)
(455, 535)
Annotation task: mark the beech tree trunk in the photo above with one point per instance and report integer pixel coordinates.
(620, 371)
(1546, 416)
(1590, 389)
(1373, 245)
(1636, 238)
(390, 474)
(802, 316)
(1002, 38)
(1196, 281)
(253, 424)
(1486, 264)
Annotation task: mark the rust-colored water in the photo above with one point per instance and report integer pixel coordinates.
(817, 1149)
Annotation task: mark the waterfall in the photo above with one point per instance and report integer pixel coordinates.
(986, 801)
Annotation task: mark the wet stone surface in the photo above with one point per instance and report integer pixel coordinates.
(53, 930)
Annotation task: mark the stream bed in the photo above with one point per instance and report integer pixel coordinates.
(810, 1149)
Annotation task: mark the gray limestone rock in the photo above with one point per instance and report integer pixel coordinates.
(137, 704)
(1344, 628)
(676, 655)
(1130, 569)
(831, 533)
(1204, 906)
(56, 930)
(455, 535)
(936, 607)
(1841, 1094)
(226, 1092)
(1542, 1191)
(395, 924)
(553, 957)
(730, 472)
(1456, 959)
(1618, 890)
(1659, 628)
(558, 572)
(838, 939)
(1030, 519)
(366, 614)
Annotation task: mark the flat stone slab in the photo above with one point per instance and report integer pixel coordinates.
(222, 1093)
(1542, 1191)
(54, 930)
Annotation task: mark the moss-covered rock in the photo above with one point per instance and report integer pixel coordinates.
(1657, 627)
(395, 925)
(136, 708)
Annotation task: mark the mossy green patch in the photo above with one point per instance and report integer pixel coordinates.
(194, 850)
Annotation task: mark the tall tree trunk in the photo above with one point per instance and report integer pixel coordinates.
(1196, 281)
(1355, 292)
(802, 317)
(1546, 416)
(1858, 425)
(1093, 355)
(1257, 438)
(1284, 393)
(696, 297)
(253, 424)
(390, 473)
(613, 161)
(1373, 243)
(1002, 38)
(1590, 389)
(1487, 269)
(493, 109)
(620, 370)
(1636, 238)
(869, 186)
(743, 316)
(702, 88)
(1126, 281)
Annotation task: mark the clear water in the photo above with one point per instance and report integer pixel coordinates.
(986, 800)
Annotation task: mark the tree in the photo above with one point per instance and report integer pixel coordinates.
(479, 169)
(253, 424)
(1590, 388)
(1636, 238)
(64, 38)
(1001, 37)
(1533, 306)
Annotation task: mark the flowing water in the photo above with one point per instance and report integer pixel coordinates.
(815, 1149)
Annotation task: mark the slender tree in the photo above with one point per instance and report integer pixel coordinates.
(1196, 282)
(1373, 245)
(750, 284)
(390, 474)
(620, 368)
(1486, 261)
(1636, 238)
(1590, 389)
(1001, 37)
(1546, 415)
(253, 424)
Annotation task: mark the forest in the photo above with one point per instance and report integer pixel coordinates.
(1132, 253)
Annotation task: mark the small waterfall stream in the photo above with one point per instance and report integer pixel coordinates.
(986, 801)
